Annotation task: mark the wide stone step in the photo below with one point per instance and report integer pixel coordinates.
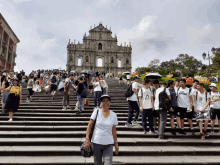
(135, 141)
(124, 151)
(117, 160)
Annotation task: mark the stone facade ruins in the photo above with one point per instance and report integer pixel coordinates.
(100, 46)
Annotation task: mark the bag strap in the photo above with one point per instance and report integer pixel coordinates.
(93, 126)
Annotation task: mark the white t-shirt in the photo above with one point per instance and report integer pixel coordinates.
(158, 91)
(146, 95)
(128, 77)
(103, 129)
(104, 84)
(134, 96)
(201, 101)
(215, 105)
(193, 94)
(183, 99)
(97, 86)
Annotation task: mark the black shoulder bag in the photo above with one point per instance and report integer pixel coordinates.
(83, 151)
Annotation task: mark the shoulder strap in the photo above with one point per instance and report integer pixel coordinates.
(93, 126)
(141, 93)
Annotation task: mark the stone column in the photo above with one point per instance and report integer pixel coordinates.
(7, 47)
(1, 39)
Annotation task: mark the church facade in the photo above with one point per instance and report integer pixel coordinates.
(99, 51)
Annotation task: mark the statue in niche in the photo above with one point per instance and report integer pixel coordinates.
(87, 59)
(100, 36)
(127, 62)
(112, 61)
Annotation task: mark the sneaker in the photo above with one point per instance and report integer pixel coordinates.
(182, 132)
(212, 131)
(76, 109)
(10, 119)
(134, 123)
(156, 132)
(206, 133)
(83, 109)
(68, 107)
(27, 101)
(160, 138)
(53, 97)
(145, 132)
(128, 124)
(150, 132)
(64, 108)
(78, 112)
(192, 131)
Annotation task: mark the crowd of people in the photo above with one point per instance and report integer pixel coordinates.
(156, 101)
(50, 81)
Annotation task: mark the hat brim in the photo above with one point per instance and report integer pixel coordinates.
(105, 97)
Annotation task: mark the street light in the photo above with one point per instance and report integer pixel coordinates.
(209, 57)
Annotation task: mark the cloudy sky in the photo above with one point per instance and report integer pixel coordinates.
(156, 29)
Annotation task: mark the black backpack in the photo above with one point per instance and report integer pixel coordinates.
(54, 80)
(84, 92)
(129, 91)
(164, 101)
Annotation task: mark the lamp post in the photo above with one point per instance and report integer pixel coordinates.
(209, 57)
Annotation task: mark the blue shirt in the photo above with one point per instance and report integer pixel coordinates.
(173, 98)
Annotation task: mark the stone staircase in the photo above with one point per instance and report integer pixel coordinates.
(43, 133)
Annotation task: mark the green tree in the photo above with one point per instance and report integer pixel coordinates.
(188, 64)
(142, 70)
(216, 62)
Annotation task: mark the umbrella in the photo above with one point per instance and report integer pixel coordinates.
(153, 76)
(75, 72)
(88, 72)
(127, 72)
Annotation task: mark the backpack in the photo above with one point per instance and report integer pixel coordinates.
(84, 92)
(129, 91)
(31, 82)
(164, 101)
(54, 80)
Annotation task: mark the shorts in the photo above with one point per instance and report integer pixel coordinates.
(182, 113)
(155, 114)
(214, 113)
(90, 86)
(173, 114)
(5, 96)
(53, 87)
(200, 116)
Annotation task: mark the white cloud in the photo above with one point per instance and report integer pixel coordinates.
(105, 3)
(138, 31)
(195, 36)
(20, 1)
(47, 44)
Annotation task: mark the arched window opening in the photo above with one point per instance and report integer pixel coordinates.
(99, 62)
(79, 62)
(119, 63)
(112, 60)
(100, 46)
(71, 58)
